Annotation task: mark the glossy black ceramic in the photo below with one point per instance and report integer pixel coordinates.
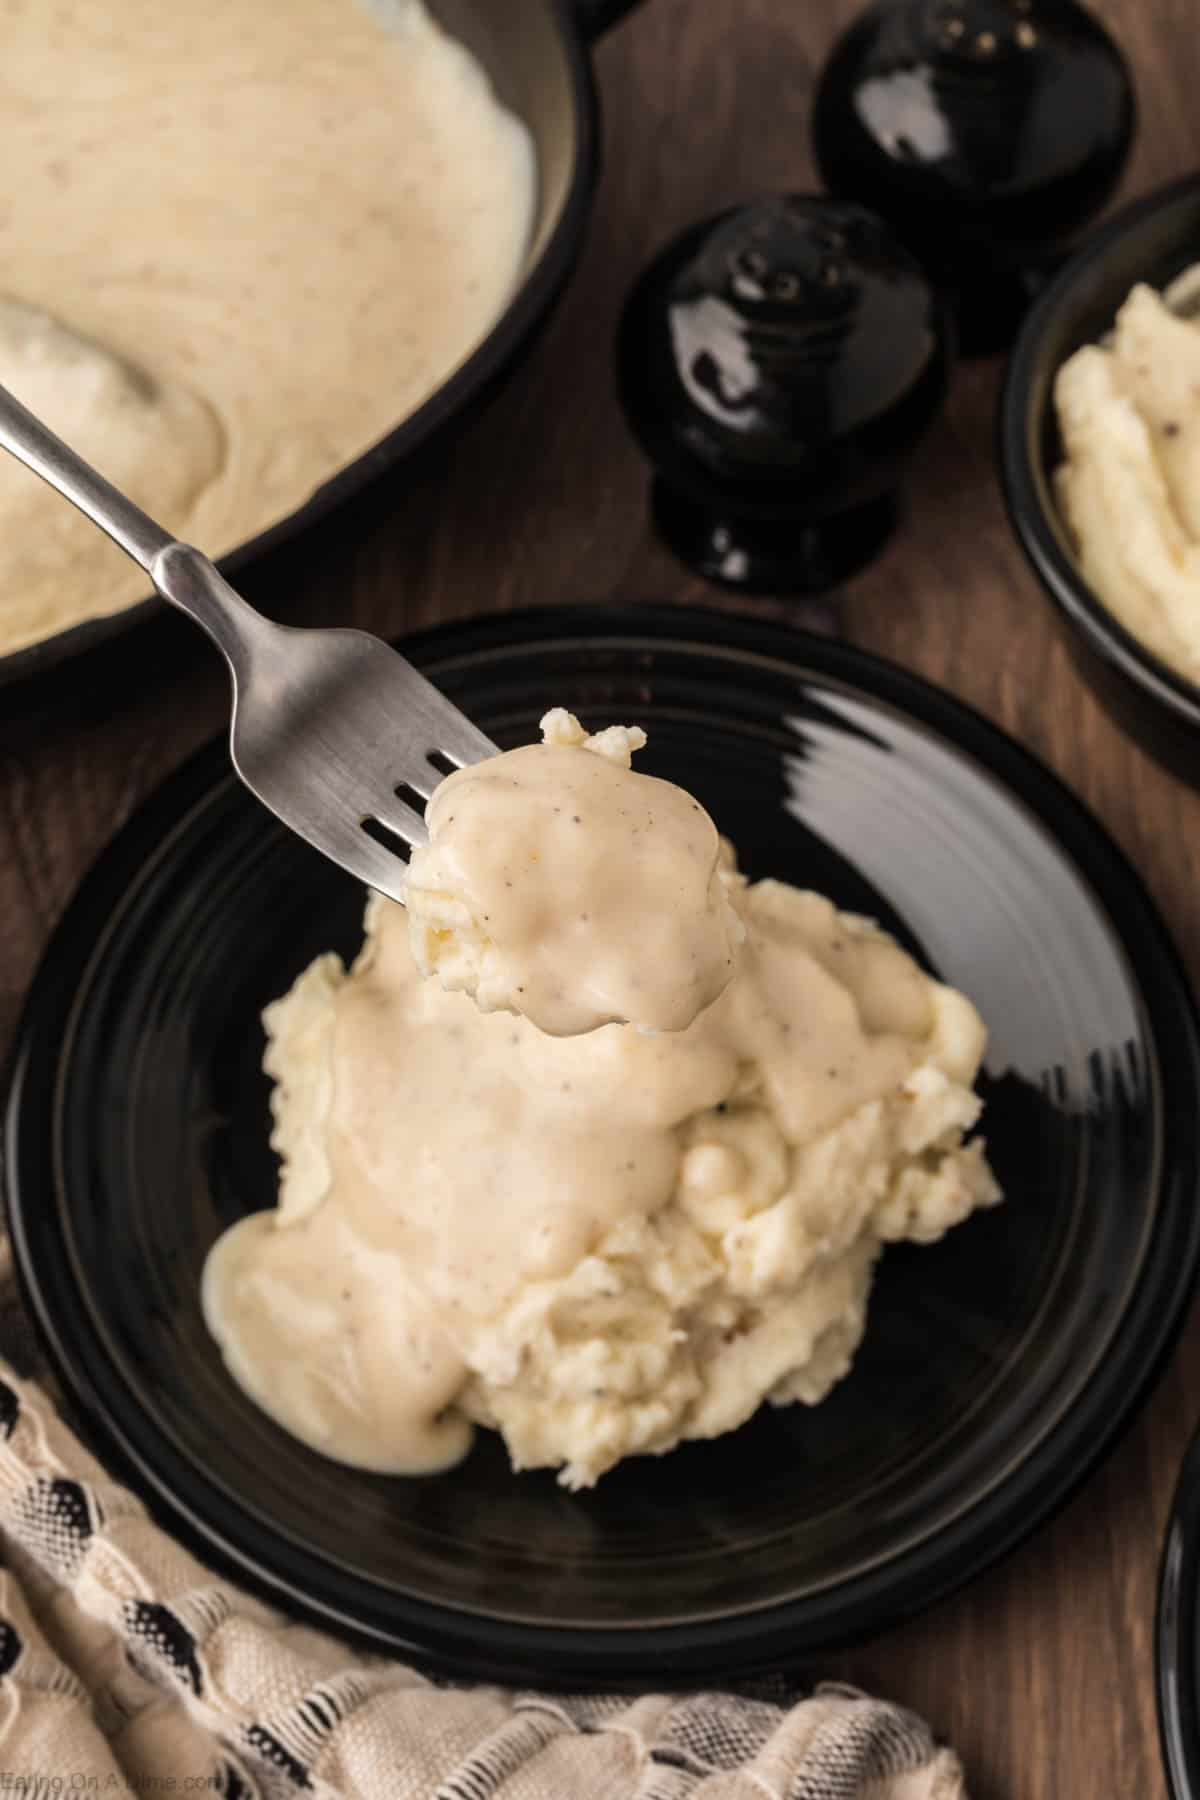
(534, 51)
(1153, 240)
(777, 364)
(997, 1366)
(985, 131)
(1177, 1635)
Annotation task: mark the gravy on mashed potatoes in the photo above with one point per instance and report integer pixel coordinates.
(561, 884)
(605, 1243)
(239, 243)
(1129, 488)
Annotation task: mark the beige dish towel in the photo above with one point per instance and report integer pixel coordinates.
(127, 1668)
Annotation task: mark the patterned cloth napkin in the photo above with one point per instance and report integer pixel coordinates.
(127, 1667)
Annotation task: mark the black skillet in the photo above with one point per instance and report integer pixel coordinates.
(536, 53)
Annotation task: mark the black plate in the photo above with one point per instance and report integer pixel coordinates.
(997, 1365)
(1177, 1636)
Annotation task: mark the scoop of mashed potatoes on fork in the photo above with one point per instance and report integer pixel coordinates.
(561, 885)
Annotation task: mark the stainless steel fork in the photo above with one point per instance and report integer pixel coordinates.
(333, 730)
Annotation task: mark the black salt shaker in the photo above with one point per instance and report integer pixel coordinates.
(777, 364)
(985, 131)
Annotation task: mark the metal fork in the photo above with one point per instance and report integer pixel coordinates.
(333, 730)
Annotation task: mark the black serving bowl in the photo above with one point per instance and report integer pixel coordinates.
(1152, 240)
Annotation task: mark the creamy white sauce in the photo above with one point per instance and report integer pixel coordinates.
(561, 884)
(238, 244)
(598, 1243)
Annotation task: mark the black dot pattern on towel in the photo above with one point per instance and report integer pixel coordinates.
(232, 1786)
(55, 1518)
(157, 1629)
(10, 1410)
(10, 1647)
(271, 1750)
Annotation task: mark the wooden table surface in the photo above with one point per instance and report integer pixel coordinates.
(1040, 1672)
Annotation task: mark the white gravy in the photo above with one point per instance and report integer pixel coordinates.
(238, 243)
(562, 884)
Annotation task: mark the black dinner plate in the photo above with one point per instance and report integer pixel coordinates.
(997, 1366)
(1177, 1635)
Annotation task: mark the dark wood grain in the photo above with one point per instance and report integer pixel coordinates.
(1041, 1672)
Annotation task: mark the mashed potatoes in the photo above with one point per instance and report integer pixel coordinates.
(559, 884)
(598, 1244)
(1129, 489)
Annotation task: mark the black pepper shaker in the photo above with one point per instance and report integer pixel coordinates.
(777, 364)
(985, 131)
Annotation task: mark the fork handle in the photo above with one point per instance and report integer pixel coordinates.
(40, 450)
(182, 575)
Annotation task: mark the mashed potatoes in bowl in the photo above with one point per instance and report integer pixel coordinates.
(599, 1244)
(1128, 487)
